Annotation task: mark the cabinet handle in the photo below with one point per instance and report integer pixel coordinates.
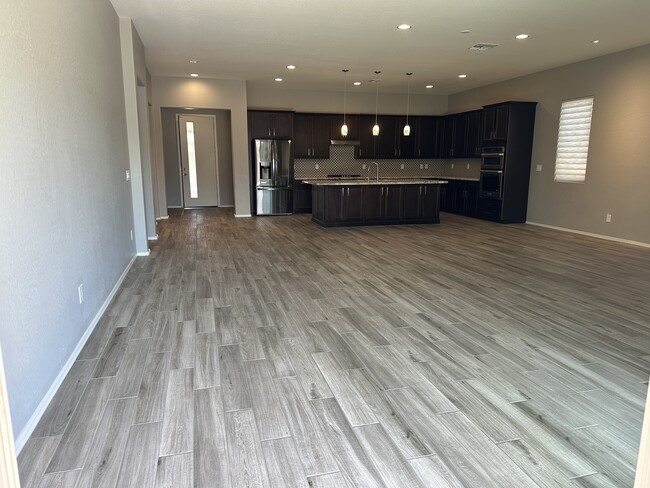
(273, 131)
(269, 132)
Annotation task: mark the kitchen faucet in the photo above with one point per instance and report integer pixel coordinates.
(368, 170)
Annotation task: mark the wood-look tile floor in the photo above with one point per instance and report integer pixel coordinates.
(272, 352)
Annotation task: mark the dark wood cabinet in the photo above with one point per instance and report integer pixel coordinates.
(420, 202)
(311, 136)
(367, 142)
(461, 135)
(474, 139)
(301, 198)
(375, 204)
(427, 138)
(495, 124)
(387, 145)
(382, 203)
(352, 122)
(270, 125)
(406, 145)
(459, 197)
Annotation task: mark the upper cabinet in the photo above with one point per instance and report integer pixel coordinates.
(270, 125)
(506, 124)
(387, 144)
(474, 131)
(428, 137)
(367, 142)
(312, 136)
(461, 135)
(495, 124)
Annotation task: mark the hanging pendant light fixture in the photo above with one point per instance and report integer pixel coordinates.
(407, 127)
(375, 128)
(344, 127)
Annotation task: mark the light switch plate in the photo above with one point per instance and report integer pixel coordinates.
(452, 165)
(401, 166)
(539, 168)
(426, 166)
(467, 165)
(316, 166)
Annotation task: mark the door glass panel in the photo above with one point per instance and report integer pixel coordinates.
(191, 159)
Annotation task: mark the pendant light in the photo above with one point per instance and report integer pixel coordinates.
(407, 127)
(344, 127)
(375, 128)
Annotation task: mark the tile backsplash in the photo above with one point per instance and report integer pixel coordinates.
(343, 162)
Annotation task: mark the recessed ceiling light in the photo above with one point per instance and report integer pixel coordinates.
(357, 83)
(521, 36)
(278, 79)
(429, 86)
(291, 66)
(466, 31)
(194, 61)
(595, 41)
(462, 76)
(404, 26)
(194, 75)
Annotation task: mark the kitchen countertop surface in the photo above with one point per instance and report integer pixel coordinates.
(389, 181)
(366, 182)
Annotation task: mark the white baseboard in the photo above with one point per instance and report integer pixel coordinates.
(40, 410)
(162, 217)
(598, 236)
(154, 238)
(144, 253)
(226, 206)
(243, 215)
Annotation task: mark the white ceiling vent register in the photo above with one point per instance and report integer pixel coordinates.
(483, 46)
(573, 140)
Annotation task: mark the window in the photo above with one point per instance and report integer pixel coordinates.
(573, 140)
(191, 156)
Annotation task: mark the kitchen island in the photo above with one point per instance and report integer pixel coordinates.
(337, 203)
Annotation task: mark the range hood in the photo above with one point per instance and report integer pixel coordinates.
(344, 142)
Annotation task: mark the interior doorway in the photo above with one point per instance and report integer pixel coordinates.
(199, 164)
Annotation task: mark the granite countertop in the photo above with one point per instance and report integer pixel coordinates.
(366, 182)
(462, 178)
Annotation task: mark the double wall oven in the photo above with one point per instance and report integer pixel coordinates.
(491, 177)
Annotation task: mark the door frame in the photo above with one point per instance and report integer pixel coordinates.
(180, 155)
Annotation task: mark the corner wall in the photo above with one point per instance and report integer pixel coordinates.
(619, 149)
(67, 206)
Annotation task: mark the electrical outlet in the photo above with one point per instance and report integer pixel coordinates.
(452, 165)
(426, 165)
(467, 165)
(401, 166)
(317, 166)
(421, 166)
(363, 166)
(81, 293)
(128, 175)
(539, 168)
(608, 218)
(131, 234)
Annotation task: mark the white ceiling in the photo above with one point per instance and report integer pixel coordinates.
(255, 40)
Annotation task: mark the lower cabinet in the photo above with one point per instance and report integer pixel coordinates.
(375, 204)
(301, 198)
(460, 197)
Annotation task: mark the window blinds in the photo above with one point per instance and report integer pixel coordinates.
(573, 140)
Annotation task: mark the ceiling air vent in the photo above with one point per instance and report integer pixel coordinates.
(482, 46)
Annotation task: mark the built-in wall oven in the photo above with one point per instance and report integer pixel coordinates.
(493, 158)
(491, 184)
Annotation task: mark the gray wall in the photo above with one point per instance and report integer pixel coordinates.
(67, 207)
(618, 169)
(332, 101)
(170, 154)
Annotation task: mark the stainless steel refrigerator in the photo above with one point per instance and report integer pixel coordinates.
(274, 176)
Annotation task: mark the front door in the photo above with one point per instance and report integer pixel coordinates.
(199, 160)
